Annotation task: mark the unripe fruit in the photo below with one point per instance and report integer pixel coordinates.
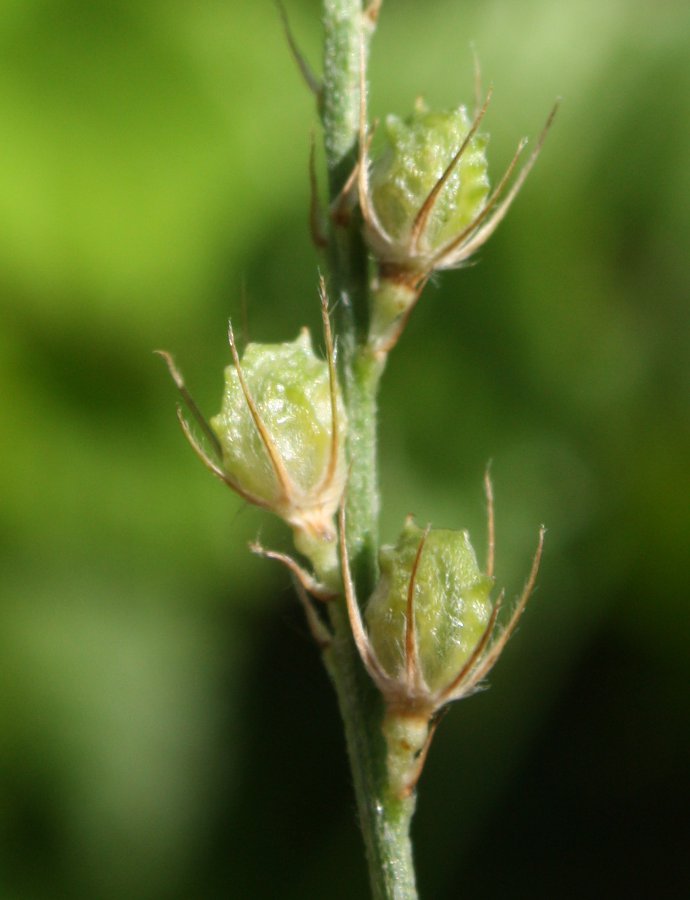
(276, 433)
(451, 604)
(417, 152)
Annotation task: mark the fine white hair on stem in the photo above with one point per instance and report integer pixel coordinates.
(332, 383)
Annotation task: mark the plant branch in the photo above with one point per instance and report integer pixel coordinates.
(384, 819)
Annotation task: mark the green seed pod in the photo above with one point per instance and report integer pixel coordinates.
(431, 633)
(450, 602)
(426, 205)
(281, 431)
(417, 152)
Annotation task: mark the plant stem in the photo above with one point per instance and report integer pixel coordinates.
(384, 818)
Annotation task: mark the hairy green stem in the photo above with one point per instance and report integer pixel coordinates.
(384, 819)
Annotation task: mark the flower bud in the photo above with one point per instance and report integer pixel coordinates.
(281, 431)
(450, 602)
(417, 152)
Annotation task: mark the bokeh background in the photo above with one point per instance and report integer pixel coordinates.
(166, 729)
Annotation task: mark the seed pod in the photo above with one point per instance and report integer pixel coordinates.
(450, 603)
(426, 204)
(417, 152)
(279, 440)
(431, 635)
(281, 430)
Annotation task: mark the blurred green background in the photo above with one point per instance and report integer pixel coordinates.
(166, 729)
